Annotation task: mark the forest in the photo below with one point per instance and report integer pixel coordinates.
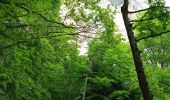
(75, 50)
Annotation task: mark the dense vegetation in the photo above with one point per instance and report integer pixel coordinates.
(40, 57)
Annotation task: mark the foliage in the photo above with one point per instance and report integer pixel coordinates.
(40, 60)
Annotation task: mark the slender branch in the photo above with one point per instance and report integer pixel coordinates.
(131, 12)
(163, 15)
(69, 34)
(57, 35)
(151, 36)
(68, 13)
(20, 25)
(13, 25)
(37, 13)
(46, 19)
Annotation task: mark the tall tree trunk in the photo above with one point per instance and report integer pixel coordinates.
(136, 54)
(85, 85)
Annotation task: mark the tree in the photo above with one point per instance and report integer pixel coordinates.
(158, 8)
(39, 56)
(136, 54)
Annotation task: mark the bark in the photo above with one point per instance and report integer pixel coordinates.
(136, 54)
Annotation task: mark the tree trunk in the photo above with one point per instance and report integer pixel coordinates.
(136, 54)
(85, 85)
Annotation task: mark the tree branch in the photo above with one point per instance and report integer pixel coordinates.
(131, 12)
(37, 13)
(21, 25)
(46, 19)
(57, 35)
(69, 34)
(150, 18)
(151, 36)
(68, 13)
